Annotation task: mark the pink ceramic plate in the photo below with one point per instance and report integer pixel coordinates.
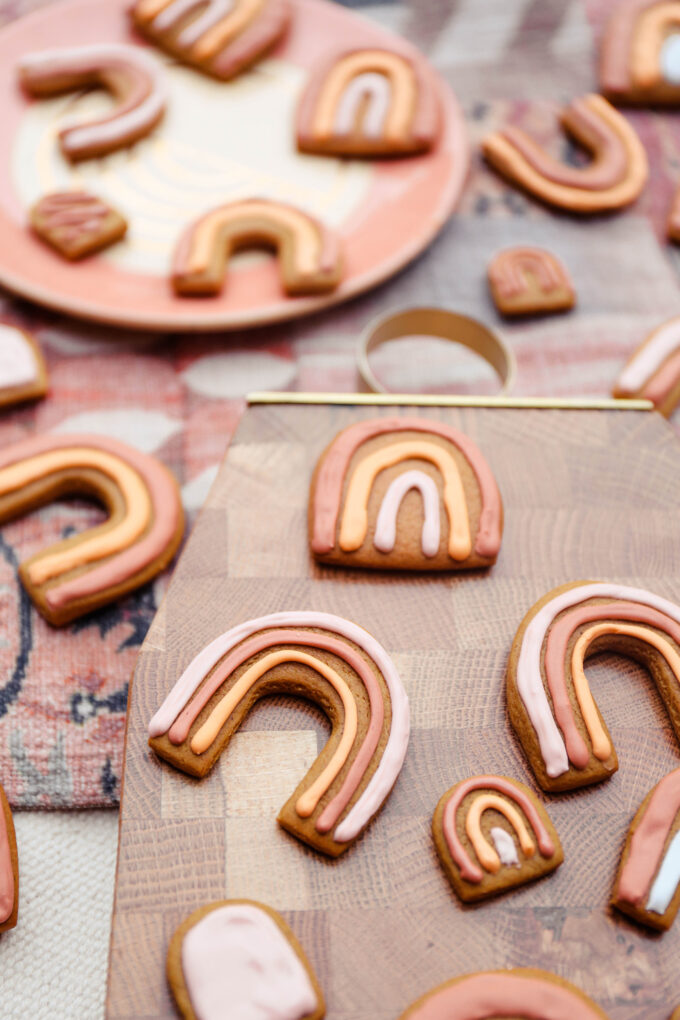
(217, 142)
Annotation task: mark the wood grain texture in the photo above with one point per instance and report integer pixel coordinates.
(586, 494)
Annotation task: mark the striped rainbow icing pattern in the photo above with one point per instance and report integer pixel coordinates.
(639, 56)
(653, 370)
(342, 799)
(218, 36)
(133, 78)
(648, 879)
(140, 537)
(310, 257)
(575, 617)
(369, 102)
(348, 471)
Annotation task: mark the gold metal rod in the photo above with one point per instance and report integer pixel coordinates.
(444, 400)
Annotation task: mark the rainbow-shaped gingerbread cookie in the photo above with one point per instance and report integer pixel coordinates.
(492, 834)
(550, 704)
(647, 883)
(614, 178)
(529, 281)
(404, 493)
(652, 372)
(324, 659)
(640, 53)
(140, 537)
(369, 102)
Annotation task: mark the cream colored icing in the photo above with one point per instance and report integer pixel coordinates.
(17, 358)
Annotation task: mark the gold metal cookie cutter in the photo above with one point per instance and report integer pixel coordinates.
(440, 323)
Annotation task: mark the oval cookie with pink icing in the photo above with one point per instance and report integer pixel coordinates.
(239, 958)
(487, 995)
(75, 223)
(369, 102)
(492, 834)
(143, 531)
(653, 369)
(23, 372)
(404, 493)
(614, 178)
(639, 55)
(9, 867)
(309, 254)
(130, 75)
(529, 281)
(220, 37)
(325, 659)
(550, 704)
(647, 883)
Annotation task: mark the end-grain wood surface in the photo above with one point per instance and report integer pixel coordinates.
(587, 494)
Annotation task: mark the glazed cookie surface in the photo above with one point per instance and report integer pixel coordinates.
(614, 178)
(133, 79)
(89, 569)
(23, 373)
(492, 834)
(522, 993)
(550, 704)
(653, 369)
(639, 56)
(75, 223)
(239, 958)
(529, 281)
(310, 256)
(220, 37)
(9, 867)
(316, 656)
(369, 102)
(404, 493)
(647, 886)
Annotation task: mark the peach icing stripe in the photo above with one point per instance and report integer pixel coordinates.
(555, 653)
(507, 271)
(167, 512)
(179, 731)
(648, 841)
(7, 888)
(385, 775)
(650, 356)
(211, 727)
(332, 470)
(468, 869)
(487, 856)
(355, 512)
(528, 675)
(100, 545)
(651, 28)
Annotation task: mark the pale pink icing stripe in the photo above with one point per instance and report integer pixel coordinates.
(167, 512)
(329, 482)
(649, 839)
(372, 86)
(180, 729)
(18, 366)
(384, 777)
(386, 525)
(663, 382)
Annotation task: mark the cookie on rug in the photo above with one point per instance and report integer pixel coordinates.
(613, 179)
(550, 704)
(75, 224)
(369, 102)
(93, 567)
(324, 659)
(9, 867)
(640, 53)
(239, 958)
(407, 494)
(23, 373)
(529, 281)
(522, 992)
(309, 254)
(647, 883)
(128, 73)
(652, 371)
(492, 834)
(220, 37)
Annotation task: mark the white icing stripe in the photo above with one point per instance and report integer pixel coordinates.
(528, 674)
(237, 963)
(669, 59)
(666, 881)
(505, 847)
(18, 366)
(386, 524)
(376, 87)
(645, 362)
(388, 769)
(63, 61)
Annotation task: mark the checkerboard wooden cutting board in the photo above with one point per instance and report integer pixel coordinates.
(587, 494)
